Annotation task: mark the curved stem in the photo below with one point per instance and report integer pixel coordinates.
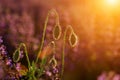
(26, 53)
(44, 31)
(63, 50)
(57, 16)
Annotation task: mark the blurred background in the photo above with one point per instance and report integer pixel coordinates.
(96, 23)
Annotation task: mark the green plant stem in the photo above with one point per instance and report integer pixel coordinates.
(44, 31)
(63, 49)
(26, 53)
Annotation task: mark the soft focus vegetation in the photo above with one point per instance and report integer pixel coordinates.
(96, 23)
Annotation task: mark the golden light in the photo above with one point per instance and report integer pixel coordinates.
(112, 6)
(108, 6)
(112, 2)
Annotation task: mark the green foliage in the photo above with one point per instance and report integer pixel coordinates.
(16, 54)
(72, 41)
(33, 67)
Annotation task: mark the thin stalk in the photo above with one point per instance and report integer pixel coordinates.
(26, 53)
(63, 49)
(44, 31)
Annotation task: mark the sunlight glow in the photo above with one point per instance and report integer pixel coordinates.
(112, 6)
(111, 2)
(109, 6)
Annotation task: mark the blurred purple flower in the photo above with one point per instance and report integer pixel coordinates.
(3, 52)
(103, 76)
(116, 77)
(18, 66)
(8, 61)
(55, 70)
(21, 54)
(48, 73)
(1, 41)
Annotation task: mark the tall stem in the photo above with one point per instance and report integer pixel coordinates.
(63, 50)
(44, 30)
(26, 53)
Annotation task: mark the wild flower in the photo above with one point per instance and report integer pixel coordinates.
(8, 61)
(7, 65)
(45, 64)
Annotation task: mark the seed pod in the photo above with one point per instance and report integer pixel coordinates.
(53, 61)
(57, 32)
(16, 56)
(73, 39)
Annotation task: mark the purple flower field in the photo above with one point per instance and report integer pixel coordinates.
(59, 40)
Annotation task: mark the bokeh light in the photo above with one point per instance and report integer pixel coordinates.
(112, 2)
(96, 23)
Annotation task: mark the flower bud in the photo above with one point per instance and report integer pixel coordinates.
(73, 39)
(57, 32)
(16, 55)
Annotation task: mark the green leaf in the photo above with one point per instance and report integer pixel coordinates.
(57, 32)
(73, 39)
(33, 65)
(43, 62)
(16, 55)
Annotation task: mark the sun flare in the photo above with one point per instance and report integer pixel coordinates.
(111, 6)
(112, 2)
